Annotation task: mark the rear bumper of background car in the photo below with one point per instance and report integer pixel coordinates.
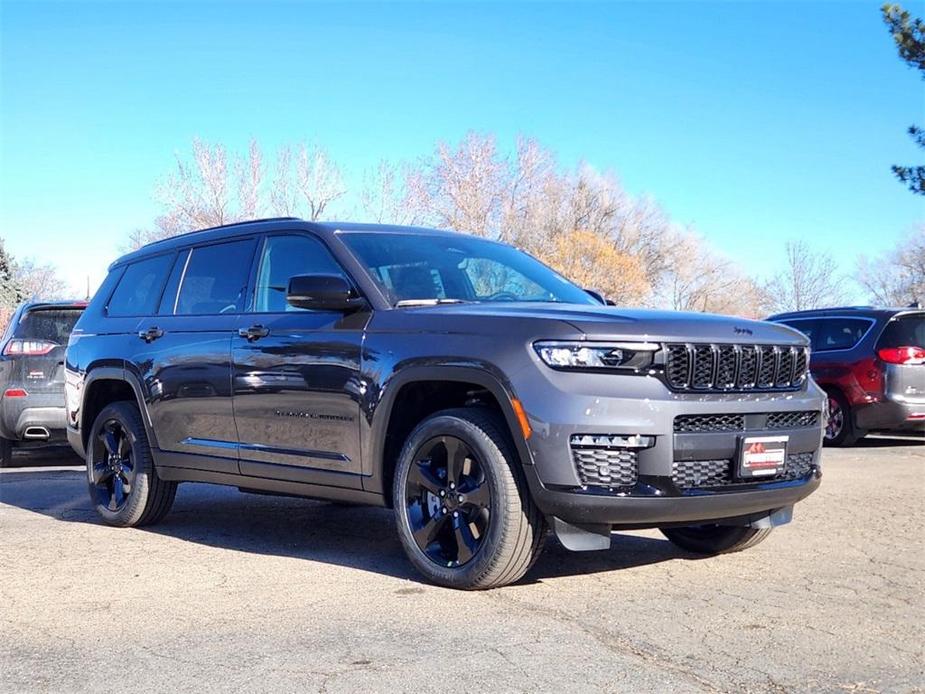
(38, 417)
(891, 415)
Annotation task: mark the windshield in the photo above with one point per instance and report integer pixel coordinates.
(436, 268)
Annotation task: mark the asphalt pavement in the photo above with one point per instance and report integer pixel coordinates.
(238, 592)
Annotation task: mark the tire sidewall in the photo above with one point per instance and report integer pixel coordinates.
(847, 435)
(493, 461)
(130, 419)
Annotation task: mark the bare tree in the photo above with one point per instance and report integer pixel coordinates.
(591, 261)
(250, 172)
(40, 280)
(808, 280)
(318, 181)
(898, 278)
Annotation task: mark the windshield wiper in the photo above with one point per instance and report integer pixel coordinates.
(426, 302)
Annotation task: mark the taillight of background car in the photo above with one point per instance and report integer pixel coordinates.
(28, 348)
(902, 355)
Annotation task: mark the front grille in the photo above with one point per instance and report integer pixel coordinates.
(705, 474)
(604, 466)
(703, 423)
(792, 420)
(718, 423)
(722, 367)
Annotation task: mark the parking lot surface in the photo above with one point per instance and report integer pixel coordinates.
(237, 592)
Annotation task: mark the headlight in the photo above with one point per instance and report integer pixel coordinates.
(631, 356)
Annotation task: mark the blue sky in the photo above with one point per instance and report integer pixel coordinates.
(754, 122)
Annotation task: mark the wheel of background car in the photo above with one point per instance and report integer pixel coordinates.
(6, 452)
(840, 429)
(124, 485)
(715, 539)
(464, 514)
(502, 296)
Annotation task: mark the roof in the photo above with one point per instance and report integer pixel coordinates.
(230, 231)
(859, 311)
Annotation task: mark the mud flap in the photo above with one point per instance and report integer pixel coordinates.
(581, 538)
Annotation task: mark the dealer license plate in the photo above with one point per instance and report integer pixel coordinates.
(762, 456)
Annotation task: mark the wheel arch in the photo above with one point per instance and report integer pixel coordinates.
(107, 384)
(396, 414)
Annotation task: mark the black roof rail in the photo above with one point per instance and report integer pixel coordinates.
(231, 225)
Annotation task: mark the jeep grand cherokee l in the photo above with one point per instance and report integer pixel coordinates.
(32, 374)
(459, 381)
(871, 363)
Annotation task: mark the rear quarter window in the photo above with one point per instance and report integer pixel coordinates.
(838, 333)
(904, 331)
(139, 289)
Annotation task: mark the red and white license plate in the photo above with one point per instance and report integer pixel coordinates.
(762, 456)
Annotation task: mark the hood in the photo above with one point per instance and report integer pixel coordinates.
(614, 323)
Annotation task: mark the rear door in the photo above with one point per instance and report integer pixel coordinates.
(297, 381)
(183, 355)
(901, 348)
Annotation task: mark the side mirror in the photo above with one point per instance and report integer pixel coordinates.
(322, 293)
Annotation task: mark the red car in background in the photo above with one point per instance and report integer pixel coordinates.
(871, 362)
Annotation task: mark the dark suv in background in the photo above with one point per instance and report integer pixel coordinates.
(871, 362)
(462, 382)
(32, 374)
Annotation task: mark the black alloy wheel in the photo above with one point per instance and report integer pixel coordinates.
(463, 510)
(448, 500)
(112, 472)
(124, 485)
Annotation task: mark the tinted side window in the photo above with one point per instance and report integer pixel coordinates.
(284, 257)
(838, 333)
(807, 327)
(905, 331)
(215, 279)
(139, 289)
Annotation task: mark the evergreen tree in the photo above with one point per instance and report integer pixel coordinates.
(909, 35)
(11, 293)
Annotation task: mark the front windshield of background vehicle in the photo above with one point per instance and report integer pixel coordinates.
(422, 267)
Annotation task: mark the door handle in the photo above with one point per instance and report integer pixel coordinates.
(151, 334)
(255, 332)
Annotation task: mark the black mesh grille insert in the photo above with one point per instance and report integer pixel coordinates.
(724, 367)
(702, 423)
(605, 466)
(703, 474)
(792, 420)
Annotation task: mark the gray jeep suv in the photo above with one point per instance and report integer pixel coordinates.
(462, 383)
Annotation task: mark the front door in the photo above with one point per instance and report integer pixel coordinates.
(296, 375)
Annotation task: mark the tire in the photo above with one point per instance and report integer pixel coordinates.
(489, 533)
(6, 452)
(840, 429)
(145, 498)
(715, 539)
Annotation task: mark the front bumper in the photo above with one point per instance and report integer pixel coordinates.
(660, 509)
(678, 476)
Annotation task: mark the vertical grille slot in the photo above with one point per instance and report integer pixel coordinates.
(704, 366)
(726, 367)
(678, 367)
(785, 368)
(767, 366)
(748, 367)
